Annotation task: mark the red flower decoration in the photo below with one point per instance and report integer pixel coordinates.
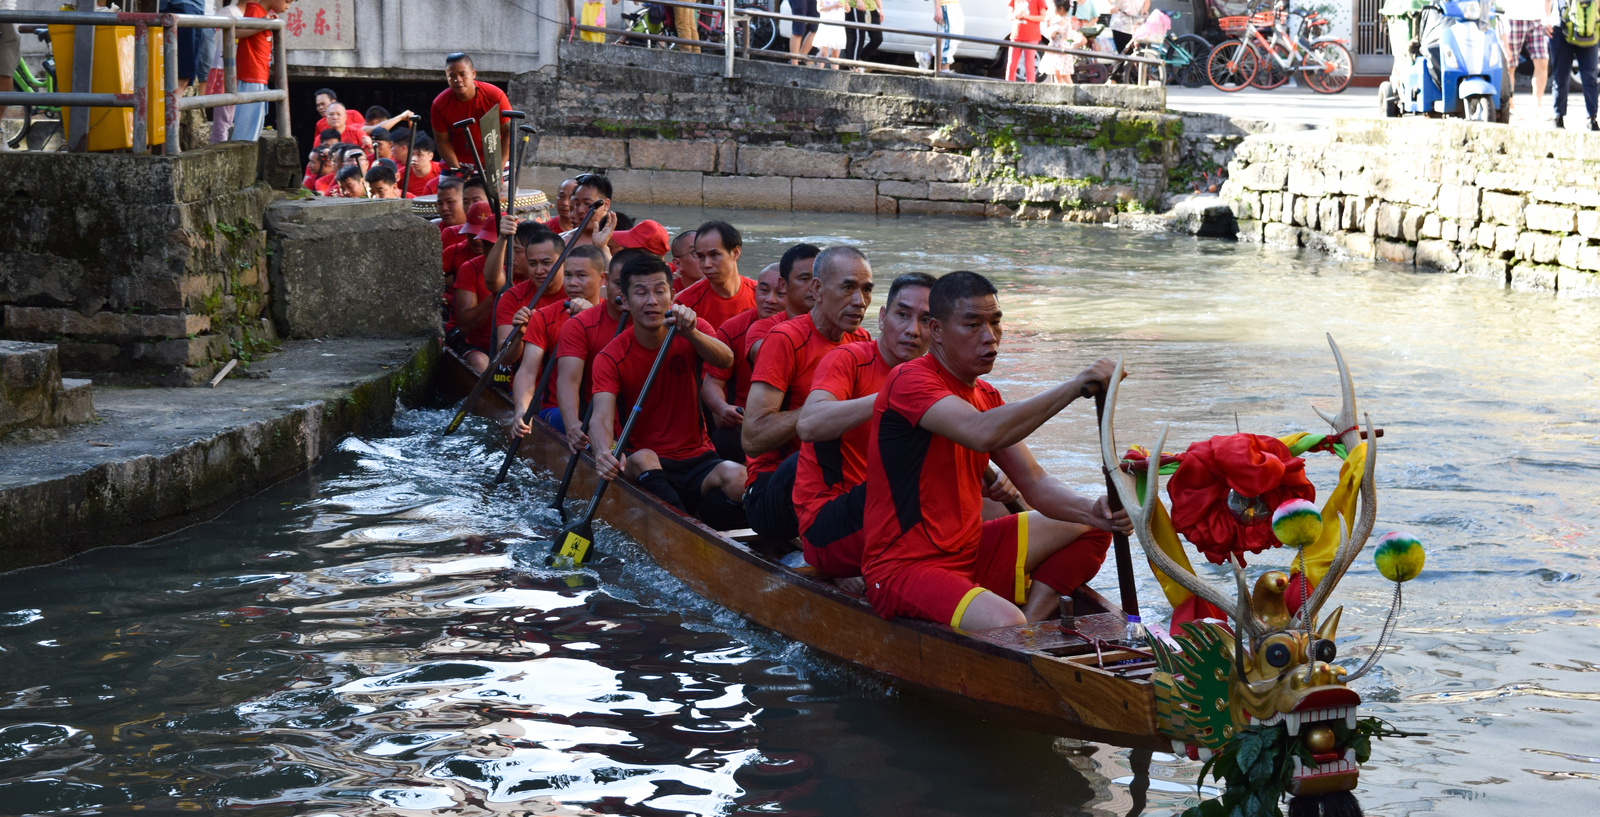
(1252, 464)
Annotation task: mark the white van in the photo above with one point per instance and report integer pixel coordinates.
(984, 18)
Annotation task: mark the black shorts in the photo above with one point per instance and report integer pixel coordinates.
(803, 8)
(456, 341)
(686, 477)
(769, 503)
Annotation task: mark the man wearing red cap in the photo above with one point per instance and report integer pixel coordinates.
(476, 283)
(466, 98)
(646, 235)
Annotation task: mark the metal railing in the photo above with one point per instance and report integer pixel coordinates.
(741, 16)
(82, 69)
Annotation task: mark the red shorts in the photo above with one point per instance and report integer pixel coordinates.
(836, 536)
(937, 593)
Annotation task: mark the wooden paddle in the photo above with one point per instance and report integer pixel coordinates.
(1129, 591)
(559, 503)
(989, 476)
(573, 542)
(505, 351)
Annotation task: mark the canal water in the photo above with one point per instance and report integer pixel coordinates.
(360, 640)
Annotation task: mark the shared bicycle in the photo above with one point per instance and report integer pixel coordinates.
(14, 130)
(1255, 59)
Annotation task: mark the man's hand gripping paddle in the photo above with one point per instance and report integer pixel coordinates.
(1125, 584)
(573, 542)
(559, 503)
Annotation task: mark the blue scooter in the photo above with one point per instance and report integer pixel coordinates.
(1457, 66)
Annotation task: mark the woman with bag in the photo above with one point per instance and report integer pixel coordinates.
(1575, 35)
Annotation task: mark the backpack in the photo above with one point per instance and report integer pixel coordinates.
(1580, 23)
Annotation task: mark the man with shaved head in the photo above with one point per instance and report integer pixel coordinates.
(781, 382)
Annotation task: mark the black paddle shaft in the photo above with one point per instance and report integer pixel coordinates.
(583, 523)
(411, 145)
(527, 416)
(1130, 592)
(559, 503)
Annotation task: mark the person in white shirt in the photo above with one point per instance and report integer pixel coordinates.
(1522, 26)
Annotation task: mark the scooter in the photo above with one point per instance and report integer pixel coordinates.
(1457, 66)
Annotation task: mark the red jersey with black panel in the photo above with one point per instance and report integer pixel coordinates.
(669, 421)
(831, 467)
(716, 309)
(924, 492)
(788, 363)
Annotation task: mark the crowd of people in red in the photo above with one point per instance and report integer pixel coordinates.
(773, 406)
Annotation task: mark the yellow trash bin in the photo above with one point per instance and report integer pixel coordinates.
(112, 128)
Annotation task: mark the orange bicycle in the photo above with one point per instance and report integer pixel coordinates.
(1324, 63)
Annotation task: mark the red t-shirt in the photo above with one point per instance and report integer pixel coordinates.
(518, 297)
(788, 363)
(829, 468)
(417, 184)
(451, 234)
(254, 53)
(716, 309)
(447, 110)
(543, 329)
(759, 331)
(924, 492)
(732, 333)
(325, 185)
(353, 135)
(583, 337)
(669, 421)
(469, 277)
(350, 118)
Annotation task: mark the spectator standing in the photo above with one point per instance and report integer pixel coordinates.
(864, 11)
(947, 15)
(188, 41)
(222, 115)
(830, 40)
(1126, 15)
(594, 14)
(252, 59)
(466, 98)
(801, 34)
(1522, 26)
(326, 97)
(686, 23)
(1575, 35)
(1061, 28)
(1026, 15)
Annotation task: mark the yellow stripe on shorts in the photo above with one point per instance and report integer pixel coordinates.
(955, 620)
(1022, 558)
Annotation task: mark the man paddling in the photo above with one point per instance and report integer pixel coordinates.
(534, 250)
(723, 293)
(935, 426)
(668, 454)
(583, 277)
(830, 492)
(782, 380)
(795, 270)
(477, 279)
(581, 339)
(724, 390)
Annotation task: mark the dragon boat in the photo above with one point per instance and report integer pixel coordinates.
(1254, 672)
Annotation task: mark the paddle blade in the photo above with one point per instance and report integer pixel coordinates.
(456, 422)
(574, 545)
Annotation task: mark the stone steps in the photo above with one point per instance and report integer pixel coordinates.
(33, 393)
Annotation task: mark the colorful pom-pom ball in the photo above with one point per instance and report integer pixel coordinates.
(1399, 556)
(1297, 523)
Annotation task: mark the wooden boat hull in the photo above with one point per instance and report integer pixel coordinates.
(1029, 688)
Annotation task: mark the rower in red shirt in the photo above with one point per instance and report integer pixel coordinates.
(583, 277)
(830, 492)
(424, 177)
(724, 390)
(581, 339)
(477, 281)
(534, 250)
(795, 275)
(466, 98)
(935, 425)
(593, 193)
(563, 220)
(782, 380)
(686, 264)
(723, 293)
(668, 453)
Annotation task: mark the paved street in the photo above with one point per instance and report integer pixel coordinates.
(1306, 107)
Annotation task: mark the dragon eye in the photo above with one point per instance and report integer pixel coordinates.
(1325, 651)
(1278, 655)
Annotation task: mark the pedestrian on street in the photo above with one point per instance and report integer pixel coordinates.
(1575, 35)
(1026, 15)
(1523, 27)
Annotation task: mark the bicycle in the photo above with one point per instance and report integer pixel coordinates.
(1184, 56)
(14, 131)
(1324, 63)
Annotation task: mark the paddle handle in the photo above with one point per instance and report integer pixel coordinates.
(411, 144)
(1125, 583)
(989, 476)
(627, 428)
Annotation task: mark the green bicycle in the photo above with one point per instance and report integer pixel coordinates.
(14, 129)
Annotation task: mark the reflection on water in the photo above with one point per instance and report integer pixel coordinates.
(358, 640)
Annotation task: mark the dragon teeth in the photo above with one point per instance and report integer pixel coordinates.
(1292, 720)
(1350, 717)
(1345, 764)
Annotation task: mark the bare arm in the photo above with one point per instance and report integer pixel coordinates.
(1049, 496)
(712, 393)
(825, 417)
(765, 427)
(447, 151)
(569, 378)
(600, 425)
(1002, 427)
(469, 313)
(524, 384)
(709, 348)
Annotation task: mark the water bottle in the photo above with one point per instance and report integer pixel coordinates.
(1136, 634)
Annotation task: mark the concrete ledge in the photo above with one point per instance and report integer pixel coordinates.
(162, 459)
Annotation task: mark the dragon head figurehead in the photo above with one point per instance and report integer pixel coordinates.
(1274, 666)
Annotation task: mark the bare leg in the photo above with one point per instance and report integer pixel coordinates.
(477, 360)
(729, 476)
(1541, 75)
(1043, 602)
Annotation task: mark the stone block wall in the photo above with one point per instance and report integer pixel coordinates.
(668, 129)
(1517, 206)
(32, 393)
(142, 269)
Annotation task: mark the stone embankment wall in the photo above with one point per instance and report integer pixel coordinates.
(1517, 206)
(669, 129)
